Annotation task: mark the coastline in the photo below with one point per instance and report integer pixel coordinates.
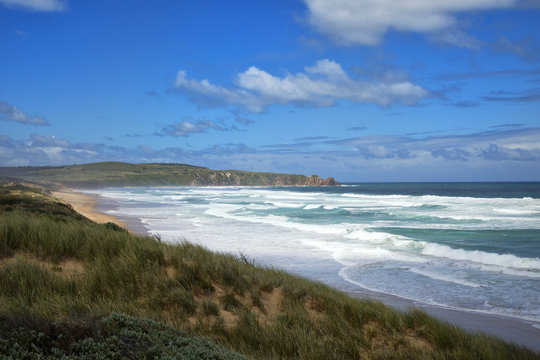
(510, 329)
(95, 208)
(86, 205)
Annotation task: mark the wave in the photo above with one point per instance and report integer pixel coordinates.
(364, 254)
(482, 257)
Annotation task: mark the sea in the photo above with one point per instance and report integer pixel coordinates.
(467, 246)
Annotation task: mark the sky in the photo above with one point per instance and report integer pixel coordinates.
(361, 90)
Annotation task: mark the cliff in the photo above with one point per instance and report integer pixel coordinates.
(106, 174)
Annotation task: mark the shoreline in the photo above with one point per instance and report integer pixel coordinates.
(95, 208)
(515, 330)
(86, 205)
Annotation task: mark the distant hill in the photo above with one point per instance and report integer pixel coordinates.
(104, 174)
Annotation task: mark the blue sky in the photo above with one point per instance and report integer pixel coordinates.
(362, 90)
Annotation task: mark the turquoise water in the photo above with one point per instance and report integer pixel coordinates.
(470, 246)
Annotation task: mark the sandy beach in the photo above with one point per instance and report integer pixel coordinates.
(510, 329)
(87, 205)
(95, 209)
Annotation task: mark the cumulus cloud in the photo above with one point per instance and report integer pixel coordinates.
(35, 5)
(365, 22)
(319, 85)
(12, 113)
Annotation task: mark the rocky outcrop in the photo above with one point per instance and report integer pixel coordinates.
(315, 180)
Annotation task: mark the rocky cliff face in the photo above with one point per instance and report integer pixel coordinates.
(315, 180)
(235, 178)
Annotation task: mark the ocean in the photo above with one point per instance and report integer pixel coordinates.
(465, 246)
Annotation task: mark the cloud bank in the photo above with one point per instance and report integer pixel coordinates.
(494, 155)
(12, 113)
(365, 22)
(319, 85)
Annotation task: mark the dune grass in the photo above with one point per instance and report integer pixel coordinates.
(67, 270)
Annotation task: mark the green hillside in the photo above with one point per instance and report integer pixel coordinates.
(125, 174)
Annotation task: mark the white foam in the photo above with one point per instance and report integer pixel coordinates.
(445, 278)
(516, 211)
(358, 254)
(282, 204)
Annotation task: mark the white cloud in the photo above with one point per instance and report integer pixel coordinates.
(320, 85)
(35, 5)
(186, 128)
(365, 22)
(215, 94)
(12, 113)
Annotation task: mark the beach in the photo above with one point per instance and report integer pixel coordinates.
(326, 270)
(86, 205)
(95, 208)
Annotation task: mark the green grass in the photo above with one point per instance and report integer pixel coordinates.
(65, 270)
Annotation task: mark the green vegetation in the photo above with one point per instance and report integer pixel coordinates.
(116, 336)
(64, 281)
(124, 174)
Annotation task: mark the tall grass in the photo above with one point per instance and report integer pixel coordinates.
(62, 268)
